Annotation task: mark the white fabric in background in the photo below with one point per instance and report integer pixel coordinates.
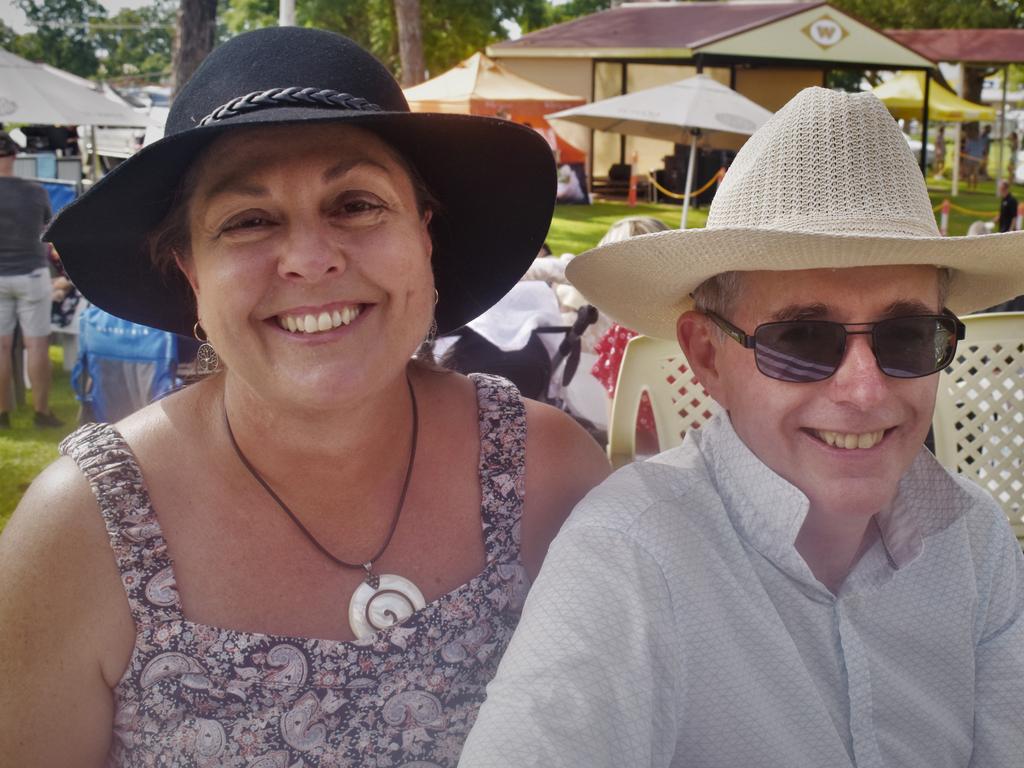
(674, 624)
(508, 324)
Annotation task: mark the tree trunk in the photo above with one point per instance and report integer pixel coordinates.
(197, 26)
(410, 41)
(974, 79)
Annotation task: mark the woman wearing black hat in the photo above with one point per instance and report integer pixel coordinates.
(320, 551)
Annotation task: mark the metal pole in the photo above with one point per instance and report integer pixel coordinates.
(956, 137)
(924, 123)
(689, 175)
(622, 91)
(1002, 130)
(95, 154)
(286, 13)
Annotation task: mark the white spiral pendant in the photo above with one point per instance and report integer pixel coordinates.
(381, 601)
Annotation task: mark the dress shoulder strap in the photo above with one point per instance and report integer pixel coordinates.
(147, 573)
(502, 464)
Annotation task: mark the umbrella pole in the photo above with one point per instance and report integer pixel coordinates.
(924, 123)
(955, 190)
(689, 176)
(95, 154)
(1002, 132)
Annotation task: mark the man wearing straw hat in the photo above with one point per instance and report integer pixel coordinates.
(799, 584)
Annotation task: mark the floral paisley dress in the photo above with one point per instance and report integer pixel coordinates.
(197, 695)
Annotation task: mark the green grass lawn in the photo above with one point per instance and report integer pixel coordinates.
(983, 200)
(25, 450)
(576, 228)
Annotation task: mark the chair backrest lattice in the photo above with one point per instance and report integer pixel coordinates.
(979, 410)
(678, 401)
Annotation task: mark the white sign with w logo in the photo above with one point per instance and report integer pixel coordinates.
(825, 32)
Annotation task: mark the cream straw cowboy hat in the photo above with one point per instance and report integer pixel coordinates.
(827, 182)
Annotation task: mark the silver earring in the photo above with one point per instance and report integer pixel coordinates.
(432, 331)
(207, 361)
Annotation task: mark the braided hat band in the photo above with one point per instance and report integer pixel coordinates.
(287, 97)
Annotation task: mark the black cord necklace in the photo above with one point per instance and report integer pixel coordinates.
(382, 599)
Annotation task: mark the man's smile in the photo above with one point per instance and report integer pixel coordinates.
(849, 440)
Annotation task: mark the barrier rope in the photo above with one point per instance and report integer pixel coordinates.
(966, 211)
(682, 196)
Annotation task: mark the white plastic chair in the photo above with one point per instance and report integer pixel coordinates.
(979, 411)
(678, 400)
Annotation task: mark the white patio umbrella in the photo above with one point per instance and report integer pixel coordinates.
(37, 93)
(677, 112)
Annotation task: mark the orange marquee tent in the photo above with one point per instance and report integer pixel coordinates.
(481, 86)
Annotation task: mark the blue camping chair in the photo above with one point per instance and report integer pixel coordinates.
(121, 366)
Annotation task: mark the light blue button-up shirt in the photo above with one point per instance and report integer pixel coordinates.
(675, 624)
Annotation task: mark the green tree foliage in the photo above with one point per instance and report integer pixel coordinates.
(61, 35)
(77, 36)
(7, 37)
(929, 14)
(556, 14)
(245, 15)
(137, 43)
(948, 14)
(452, 29)
(369, 22)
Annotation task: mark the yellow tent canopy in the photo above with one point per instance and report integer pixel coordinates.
(904, 97)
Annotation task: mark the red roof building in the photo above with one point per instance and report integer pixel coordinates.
(994, 47)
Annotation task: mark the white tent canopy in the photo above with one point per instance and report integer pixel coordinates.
(679, 112)
(479, 77)
(37, 93)
(670, 112)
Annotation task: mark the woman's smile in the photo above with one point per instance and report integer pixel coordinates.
(320, 320)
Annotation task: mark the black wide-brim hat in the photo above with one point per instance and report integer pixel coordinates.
(494, 179)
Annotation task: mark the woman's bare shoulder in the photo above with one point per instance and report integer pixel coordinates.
(57, 507)
(563, 462)
(56, 545)
(166, 427)
(66, 631)
(64, 615)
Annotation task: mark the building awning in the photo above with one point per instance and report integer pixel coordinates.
(660, 27)
(793, 31)
(903, 95)
(970, 46)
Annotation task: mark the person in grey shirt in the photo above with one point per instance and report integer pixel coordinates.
(24, 285)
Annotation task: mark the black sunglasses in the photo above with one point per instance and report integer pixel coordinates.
(812, 350)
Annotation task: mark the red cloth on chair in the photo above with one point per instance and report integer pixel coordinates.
(610, 349)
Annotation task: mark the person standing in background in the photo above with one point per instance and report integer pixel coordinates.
(1007, 208)
(24, 285)
(939, 156)
(986, 145)
(974, 149)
